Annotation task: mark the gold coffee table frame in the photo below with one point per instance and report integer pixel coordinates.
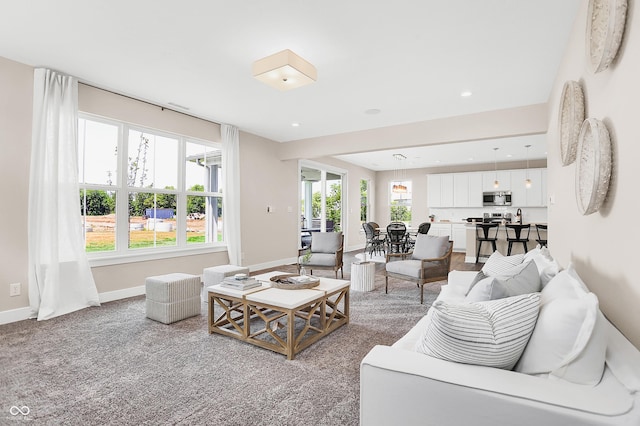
(257, 312)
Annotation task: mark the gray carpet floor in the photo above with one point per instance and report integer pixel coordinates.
(112, 365)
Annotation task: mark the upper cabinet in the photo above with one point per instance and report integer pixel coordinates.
(489, 178)
(465, 189)
(521, 196)
(440, 190)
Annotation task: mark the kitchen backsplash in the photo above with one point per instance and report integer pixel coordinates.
(529, 214)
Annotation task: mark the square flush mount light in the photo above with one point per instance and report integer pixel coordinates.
(284, 70)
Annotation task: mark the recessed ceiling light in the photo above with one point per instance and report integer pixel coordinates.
(295, 124)
(509, 155)
(438, 161)
(372, 111)
(470, 159)
(466, 94)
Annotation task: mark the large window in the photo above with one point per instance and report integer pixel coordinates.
(400, 201)
(364, 201)
(143, 189)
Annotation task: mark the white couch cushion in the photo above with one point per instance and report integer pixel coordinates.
(490, 333)
(524, 280)
(569, 340)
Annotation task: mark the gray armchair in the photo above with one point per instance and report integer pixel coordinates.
(429, 261)
(326, 252)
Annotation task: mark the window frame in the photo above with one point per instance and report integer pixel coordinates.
(123, 253)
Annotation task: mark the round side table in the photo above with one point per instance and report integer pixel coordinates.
(363, 276)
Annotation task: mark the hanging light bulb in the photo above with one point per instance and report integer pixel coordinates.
(496, 183)
(527, 181)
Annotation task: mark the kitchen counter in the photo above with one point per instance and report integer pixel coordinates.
(502, 244)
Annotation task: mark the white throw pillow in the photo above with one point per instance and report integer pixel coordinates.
(569, 341)
(547, 266)
(498, 264)
(492, 334)
(524, 280)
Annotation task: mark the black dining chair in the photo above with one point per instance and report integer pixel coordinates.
(517, 233)
(486, 232)
(397, 237)
(374, 242)
(541, 230)
(423, 228)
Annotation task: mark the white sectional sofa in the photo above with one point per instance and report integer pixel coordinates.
(401, 386)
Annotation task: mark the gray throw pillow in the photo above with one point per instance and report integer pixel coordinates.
(492, 288)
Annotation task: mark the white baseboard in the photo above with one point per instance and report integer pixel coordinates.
(21, 314)
(273, 264)
(14, 315)
(110, 296)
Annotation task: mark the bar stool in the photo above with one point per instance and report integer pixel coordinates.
(541, 230)
(486, 232)
(515, 235)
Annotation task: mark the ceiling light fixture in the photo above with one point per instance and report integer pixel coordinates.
(527, 181)
(284, 70)
(466, 94)
(496, 183)
(295, 124)
(398, 175)
(372, 111)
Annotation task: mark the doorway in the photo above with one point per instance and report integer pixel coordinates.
(321, 194)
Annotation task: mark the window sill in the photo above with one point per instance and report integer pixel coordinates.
(104, 259)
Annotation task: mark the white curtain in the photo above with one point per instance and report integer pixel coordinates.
(231, 201)
(60, 279)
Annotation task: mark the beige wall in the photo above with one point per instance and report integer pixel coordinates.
(602, 245)
(16, 99)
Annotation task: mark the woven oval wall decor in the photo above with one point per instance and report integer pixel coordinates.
(593, 171)
(570, 119)
(605, 26)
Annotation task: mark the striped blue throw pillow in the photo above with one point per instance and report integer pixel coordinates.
(492, 333)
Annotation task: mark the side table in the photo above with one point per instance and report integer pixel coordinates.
(363, 276)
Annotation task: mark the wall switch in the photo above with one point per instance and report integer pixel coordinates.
(14, 289)
(289, 209)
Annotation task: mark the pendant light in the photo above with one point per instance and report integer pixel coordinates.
(398, 174)
(527, 181)
(496, 183)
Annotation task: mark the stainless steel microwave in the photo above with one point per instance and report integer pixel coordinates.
(498, 198)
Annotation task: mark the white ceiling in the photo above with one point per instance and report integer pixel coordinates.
(410, 59)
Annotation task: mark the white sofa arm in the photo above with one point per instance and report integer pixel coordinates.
(459, 281)
(403, 387)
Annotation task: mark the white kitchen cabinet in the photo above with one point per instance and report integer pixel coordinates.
(467, 190)
(440, 229)
(534, 194)
(461, 190)
(459, 236)
(433, 190)
(518, 189)
(521, 196)
(504, 180)
(440, 190)
(446, 190)
(475, 189)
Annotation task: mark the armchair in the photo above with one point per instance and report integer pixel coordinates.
(430, 261)
(326, 252)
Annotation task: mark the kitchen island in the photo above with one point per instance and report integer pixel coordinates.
(502, 244)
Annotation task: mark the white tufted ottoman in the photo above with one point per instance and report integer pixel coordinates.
(216, 274)
(172, 297)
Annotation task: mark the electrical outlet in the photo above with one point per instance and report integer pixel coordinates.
(14, 289)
